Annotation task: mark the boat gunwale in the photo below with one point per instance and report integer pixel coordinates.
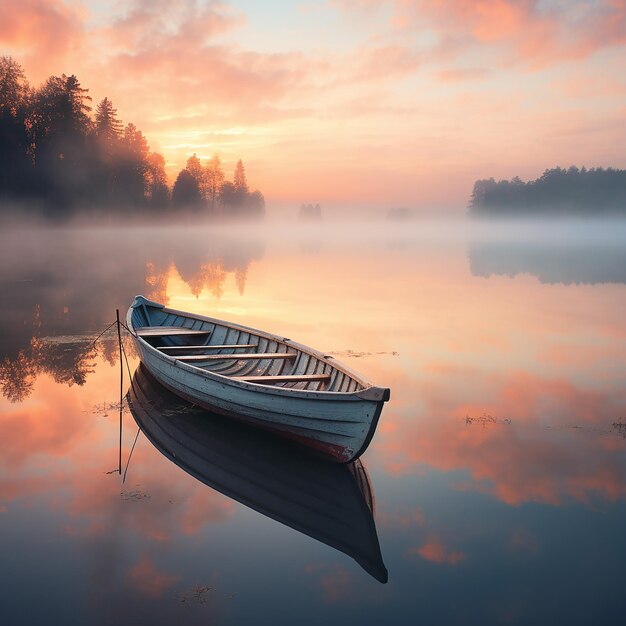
(367, 393)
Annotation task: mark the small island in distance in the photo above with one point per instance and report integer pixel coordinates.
(558, 192)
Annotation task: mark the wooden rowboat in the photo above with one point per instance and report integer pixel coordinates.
(265, 380)
(331, 503)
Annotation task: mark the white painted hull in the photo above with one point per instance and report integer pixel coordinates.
(338, 424)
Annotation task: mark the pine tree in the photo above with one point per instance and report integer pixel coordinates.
(156, 181)
(13, 86)
(239, 180)
(16, 175)
(213, 179)
(132, 165)
(108, 127)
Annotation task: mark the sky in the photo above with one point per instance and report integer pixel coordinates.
(349, 103)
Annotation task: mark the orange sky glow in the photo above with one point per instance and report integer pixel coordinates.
(369, 103)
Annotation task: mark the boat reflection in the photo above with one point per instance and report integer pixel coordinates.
(329, 502)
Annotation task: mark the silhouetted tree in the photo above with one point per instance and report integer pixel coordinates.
(13, 86)
(157, 192)
(255, 205)
(54, 154)
(108, 127)
(15, 164)
(236, 200)
(310, 213)
(214, 178)
(59, 123)
(230, 196)
(194, 167)
(107, 135)
(239, 180)
(557, 191)
(186, 192)
(133, 166)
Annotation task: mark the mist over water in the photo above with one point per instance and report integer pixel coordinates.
(498, 468)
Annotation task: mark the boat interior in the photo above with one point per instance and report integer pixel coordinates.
(240, 354)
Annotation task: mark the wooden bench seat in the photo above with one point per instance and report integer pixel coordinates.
(222, 347)
(286, 378)
(236, 357)
(168, 331)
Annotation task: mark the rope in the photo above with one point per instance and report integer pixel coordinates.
(93, 343)
(130, 455)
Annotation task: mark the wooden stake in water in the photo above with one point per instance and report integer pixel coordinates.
(119, 340)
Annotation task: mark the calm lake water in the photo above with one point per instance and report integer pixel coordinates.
(498, 470)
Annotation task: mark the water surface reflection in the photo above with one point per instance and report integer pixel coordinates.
(499, 464)
(330, 502)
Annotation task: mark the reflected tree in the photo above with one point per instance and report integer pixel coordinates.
(68, 364)
(17, 377)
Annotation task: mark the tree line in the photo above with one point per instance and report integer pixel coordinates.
(59, 158)
(203, 188)
(558, 191)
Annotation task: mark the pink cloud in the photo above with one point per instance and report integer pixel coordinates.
(436, 552)
(167, 53)
(535, 32)
(150, 20)
(518, 461)
(335, 581)
(149, 580)
(40, 32)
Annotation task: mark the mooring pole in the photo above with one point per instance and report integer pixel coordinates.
(119, 340)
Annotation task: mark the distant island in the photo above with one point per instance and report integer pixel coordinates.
(310, 213)
(557, 192)
(58, 160)
(400, 214)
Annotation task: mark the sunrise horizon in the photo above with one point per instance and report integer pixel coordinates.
(374, 104)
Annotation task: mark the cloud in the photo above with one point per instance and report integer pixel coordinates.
(148, 21)
(40, 32)
(378, 114)
(435, 552)
(171, 52)
(145, 577)
(335, 581)
(57, 435)
(385, 62)
(520, 461)
(534, 32)
(458, 75)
